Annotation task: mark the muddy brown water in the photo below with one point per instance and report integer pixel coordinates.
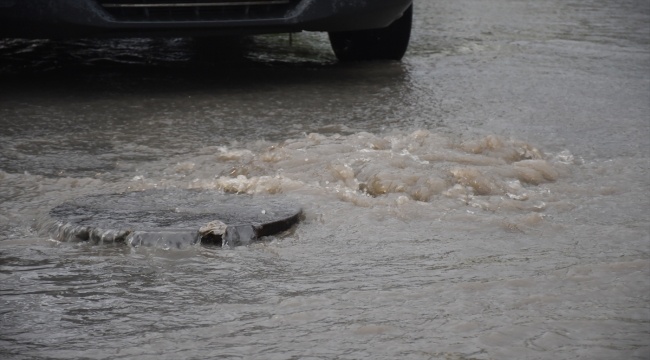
(485, 198)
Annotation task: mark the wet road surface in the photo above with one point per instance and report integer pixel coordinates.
(487, 197)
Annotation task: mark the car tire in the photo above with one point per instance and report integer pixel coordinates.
(387, 43)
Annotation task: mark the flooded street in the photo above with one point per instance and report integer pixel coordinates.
(485, 198)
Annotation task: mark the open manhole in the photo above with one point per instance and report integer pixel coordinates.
(172, 218)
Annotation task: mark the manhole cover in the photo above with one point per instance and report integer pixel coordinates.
(172, 218)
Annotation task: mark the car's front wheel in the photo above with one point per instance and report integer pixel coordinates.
(387, 43)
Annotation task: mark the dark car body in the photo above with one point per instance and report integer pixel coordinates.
(163, 18)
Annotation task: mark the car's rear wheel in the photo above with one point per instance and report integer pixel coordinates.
(388, 43)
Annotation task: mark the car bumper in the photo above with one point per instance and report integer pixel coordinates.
(88, 18)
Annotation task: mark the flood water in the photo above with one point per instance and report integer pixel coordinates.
(486, 198)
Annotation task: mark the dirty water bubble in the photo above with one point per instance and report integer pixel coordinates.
(173, 218)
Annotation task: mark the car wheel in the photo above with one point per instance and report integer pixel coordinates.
(388, 43)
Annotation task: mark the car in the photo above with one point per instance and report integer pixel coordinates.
(358, 29)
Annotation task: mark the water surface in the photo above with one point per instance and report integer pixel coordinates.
(485, 198)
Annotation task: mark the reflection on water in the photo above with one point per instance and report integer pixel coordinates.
(49, 55)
